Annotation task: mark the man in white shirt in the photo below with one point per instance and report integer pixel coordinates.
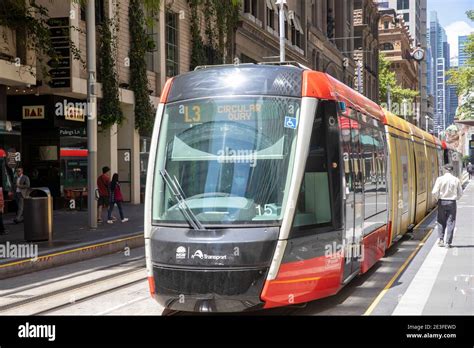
(447, 190)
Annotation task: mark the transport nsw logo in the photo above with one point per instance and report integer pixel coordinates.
(182, 254)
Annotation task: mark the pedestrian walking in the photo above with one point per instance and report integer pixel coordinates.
(115, 198)
(22, 185)
(103, 183)
(447, 190)
(470, 170)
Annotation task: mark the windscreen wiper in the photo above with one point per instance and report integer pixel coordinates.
(177, 191)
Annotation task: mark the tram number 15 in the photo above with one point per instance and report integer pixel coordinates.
(267, 210)
(190, 117)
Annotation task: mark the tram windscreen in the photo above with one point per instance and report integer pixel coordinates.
(232, 157)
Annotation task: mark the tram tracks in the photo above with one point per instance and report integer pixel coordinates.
(70, 295)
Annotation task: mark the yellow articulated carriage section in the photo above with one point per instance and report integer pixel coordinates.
(433, 166)
(402, 163)
(421, 172)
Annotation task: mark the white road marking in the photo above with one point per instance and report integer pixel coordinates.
(418, 292)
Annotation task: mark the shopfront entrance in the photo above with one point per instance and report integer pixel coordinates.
(53, 143)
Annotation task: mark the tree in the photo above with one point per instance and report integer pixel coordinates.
(398, 94)
(463, 79)
(139, 45)
(215, 44)
(110, 111)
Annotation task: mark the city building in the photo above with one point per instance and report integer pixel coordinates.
(319, 35)
(17, 72)
(437, 40)
(463, 56)
(440, 90)
(395, 43)
(366, 44)
(414, 14)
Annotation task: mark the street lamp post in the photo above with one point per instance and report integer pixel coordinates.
(282, 30)
(91, 115)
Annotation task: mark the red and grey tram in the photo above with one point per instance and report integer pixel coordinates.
(272, 185)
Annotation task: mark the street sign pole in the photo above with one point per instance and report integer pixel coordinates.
(282, 30)
(91, 115)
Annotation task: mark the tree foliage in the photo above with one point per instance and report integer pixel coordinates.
(463, 79)
(215, 44)
(139, 45)
(29, 20)
(110, 111)
(387, 79)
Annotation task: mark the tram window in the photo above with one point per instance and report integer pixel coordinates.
(369, 158)
(381, 172)
(312, 207)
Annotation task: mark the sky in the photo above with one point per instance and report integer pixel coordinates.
(452, 16)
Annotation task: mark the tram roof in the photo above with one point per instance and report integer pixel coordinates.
(261, 79)
(321, 85)
(228, 80)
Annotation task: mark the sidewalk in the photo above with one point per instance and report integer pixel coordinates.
(72, 240)
(438, 281)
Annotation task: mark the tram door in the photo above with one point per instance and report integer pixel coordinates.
(353, 195)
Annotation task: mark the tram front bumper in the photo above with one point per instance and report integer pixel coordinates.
(209, 290)
(212, 270)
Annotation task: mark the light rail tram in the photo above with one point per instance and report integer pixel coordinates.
(273, 185)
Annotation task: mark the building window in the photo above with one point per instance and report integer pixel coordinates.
(172, 65)
(296, 30)
(386, 24)
(150, 55)
(251, 6)
(271, 11)
(406, 17)
(403, 4)
(387, 47)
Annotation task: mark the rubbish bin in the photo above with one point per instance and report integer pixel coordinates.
(38, 214)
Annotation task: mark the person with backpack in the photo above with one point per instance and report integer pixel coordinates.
(470, 170)
(115, 198)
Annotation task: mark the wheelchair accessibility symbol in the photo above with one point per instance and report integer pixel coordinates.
(291, 122)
